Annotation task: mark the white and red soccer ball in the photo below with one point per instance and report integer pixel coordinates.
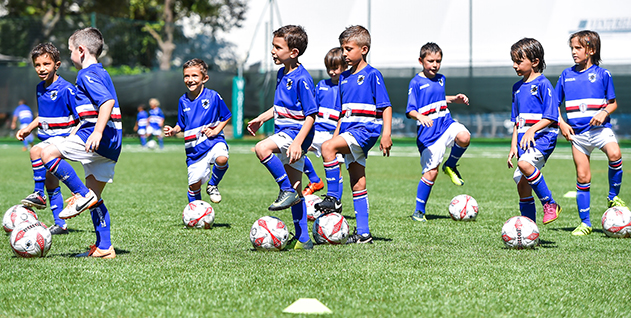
(330, 228)
(617, 222)
(16, 215)
(310, 201)
(463, 207)
(269, 234)
(520, 232)
(30, 239)
(198, 214)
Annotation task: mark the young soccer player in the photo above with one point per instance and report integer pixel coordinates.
(23, 115)
(141, 125)
(97, 143)
(589, 100)
(156, 121)
(535, 113)
(294, 112)
(366, 113)
(436, 130)
(327, 95)
(57, 118)
(202, 115)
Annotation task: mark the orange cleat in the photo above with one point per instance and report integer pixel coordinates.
(312, 188)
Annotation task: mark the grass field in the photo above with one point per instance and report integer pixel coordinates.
(442, 268)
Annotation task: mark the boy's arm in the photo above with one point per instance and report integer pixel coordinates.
(211, 132)
(513, 147)
(386, 132)
(171, 131)
(458, 99)
(424, 120)
(105, 111)
(294, 152)
(528, 140)
(566, 129)
(601, 116)
(14, 122)
(255, 124)
(22, 133)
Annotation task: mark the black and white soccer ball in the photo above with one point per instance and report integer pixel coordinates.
(520, 232)
(463, 207)
(16, 215)
(330, 228)
(310, 201)
(198, 214)
(269, 233)
(617, 222)
(31, 240)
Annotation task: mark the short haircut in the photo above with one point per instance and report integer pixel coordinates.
(196, 63)
(90, 38)
(589, 40)
(154, 101)
(334, 59)
(295, 36)
(45, 49)
(356, 33)
(531, 49)
(430, 47)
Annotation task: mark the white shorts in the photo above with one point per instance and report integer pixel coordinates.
(73, 148)
(592, 139)
(357, 154)
(51, 141)
(432, 156)
(319, 138)
(153, 131)
(283, 141)
(201, 169)
(142, 131)
(533, 157)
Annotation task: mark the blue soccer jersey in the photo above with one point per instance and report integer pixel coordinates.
(327, 96)
(586, 93)
(156, 118)
(427, 97)
(208, 110)
(363, 97)
(95, 87)
(532, 102)
(24, 114)
(56, 105)
(142, 118)
(294, 100)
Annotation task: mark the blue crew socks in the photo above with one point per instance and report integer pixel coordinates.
(583, 202)
(422, 194)
(340, 188)
(538, 184)
(276, 168)
(217, 174)
(194, 195)
(360, 202)
(161, 142)
(332, 173)
(456, 153)
(527, 208)
(615, 178)
(39, 175)
(64, 172)
(143, 141)
(56, 205)
(310, 171)
(299, 215)
(101, 222)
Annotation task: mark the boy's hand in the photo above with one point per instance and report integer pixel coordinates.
(425, 120)
(92, 144)
(209, 132)
(512, 154)
(168, 131)
(461, 99)
(22, 133)
(294, 152)
(385, 145)
(566, 130)
(254, 125)
(528, 140)
(598, 119)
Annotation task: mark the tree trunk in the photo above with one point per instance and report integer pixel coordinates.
(167, 46)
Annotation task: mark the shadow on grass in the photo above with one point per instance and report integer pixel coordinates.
(76, 254)
(226, 225)
(570, 229)
(433, 217)
(547, 244)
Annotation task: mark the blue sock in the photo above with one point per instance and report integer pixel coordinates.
(101, 222)
(538, 184)
(527, 208)
(332, 173)
(582, 202)
(299, 215)
(143, 141)
(276, 168)
(161, 142)
(360, 202)
(422, 194)
(615, 178)
(64, 172)
(39, 175)
(456, 153)
(340, 188)
(194, 195)
(56, 205)
(217, 174)
(310, 171)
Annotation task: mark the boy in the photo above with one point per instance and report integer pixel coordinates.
(327, 95)
(24, 116)
(156, 121)
(535, 113)
(97, 143)
(202, 114)
(57, 118)
(365, 109)
(436, 130)
(294, 112)
(141, 125)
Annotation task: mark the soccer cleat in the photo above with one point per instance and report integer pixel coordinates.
(57, 230)
(610, 203)
(312, 188)
(329, 205)
(418, 216)
(294, 244)
(551, 212)
(286, 199)
(97, 252)
(35, 200)
(77, 204)
(356, 238)
(214, 194)
(582, 230)
(454, 175)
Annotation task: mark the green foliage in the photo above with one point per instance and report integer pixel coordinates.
(126, 70)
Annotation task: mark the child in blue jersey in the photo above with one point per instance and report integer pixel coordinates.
(436, 130)
(24, 116)
(366, 114)
(327, 95)
(202, 115)
(589, 100)
(535, 113)
(294, 113)
(57, 119)
(96, 144)
(141, 125)
(156, 121)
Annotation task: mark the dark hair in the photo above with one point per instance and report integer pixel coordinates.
(430, 47)
(90, 38)
(45, 49)
(295, 36)
(531, 49)
(334, 58)
(356, 33)
(196, 62)
(589, 40)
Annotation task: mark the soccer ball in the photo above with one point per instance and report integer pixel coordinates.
(617, 222)
(198, 214)
(269, 233)
(152, 144)
(520, 232)
(330, 228)
(31, 240)
(16, 215)
(463, 207)
(310, 201)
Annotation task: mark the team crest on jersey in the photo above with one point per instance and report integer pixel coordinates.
(289, 83)
(592, 77)
(53, 95)
(205, 103)
(582, 107)
(521, 121)
(360, 79)
(533, 89)
(44, 125)
(441, 81)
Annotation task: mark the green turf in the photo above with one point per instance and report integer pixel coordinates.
(442, 268)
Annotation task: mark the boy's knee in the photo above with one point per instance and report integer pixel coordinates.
(525, 167)
(463, 139)
(35, 153)
(221, 161)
